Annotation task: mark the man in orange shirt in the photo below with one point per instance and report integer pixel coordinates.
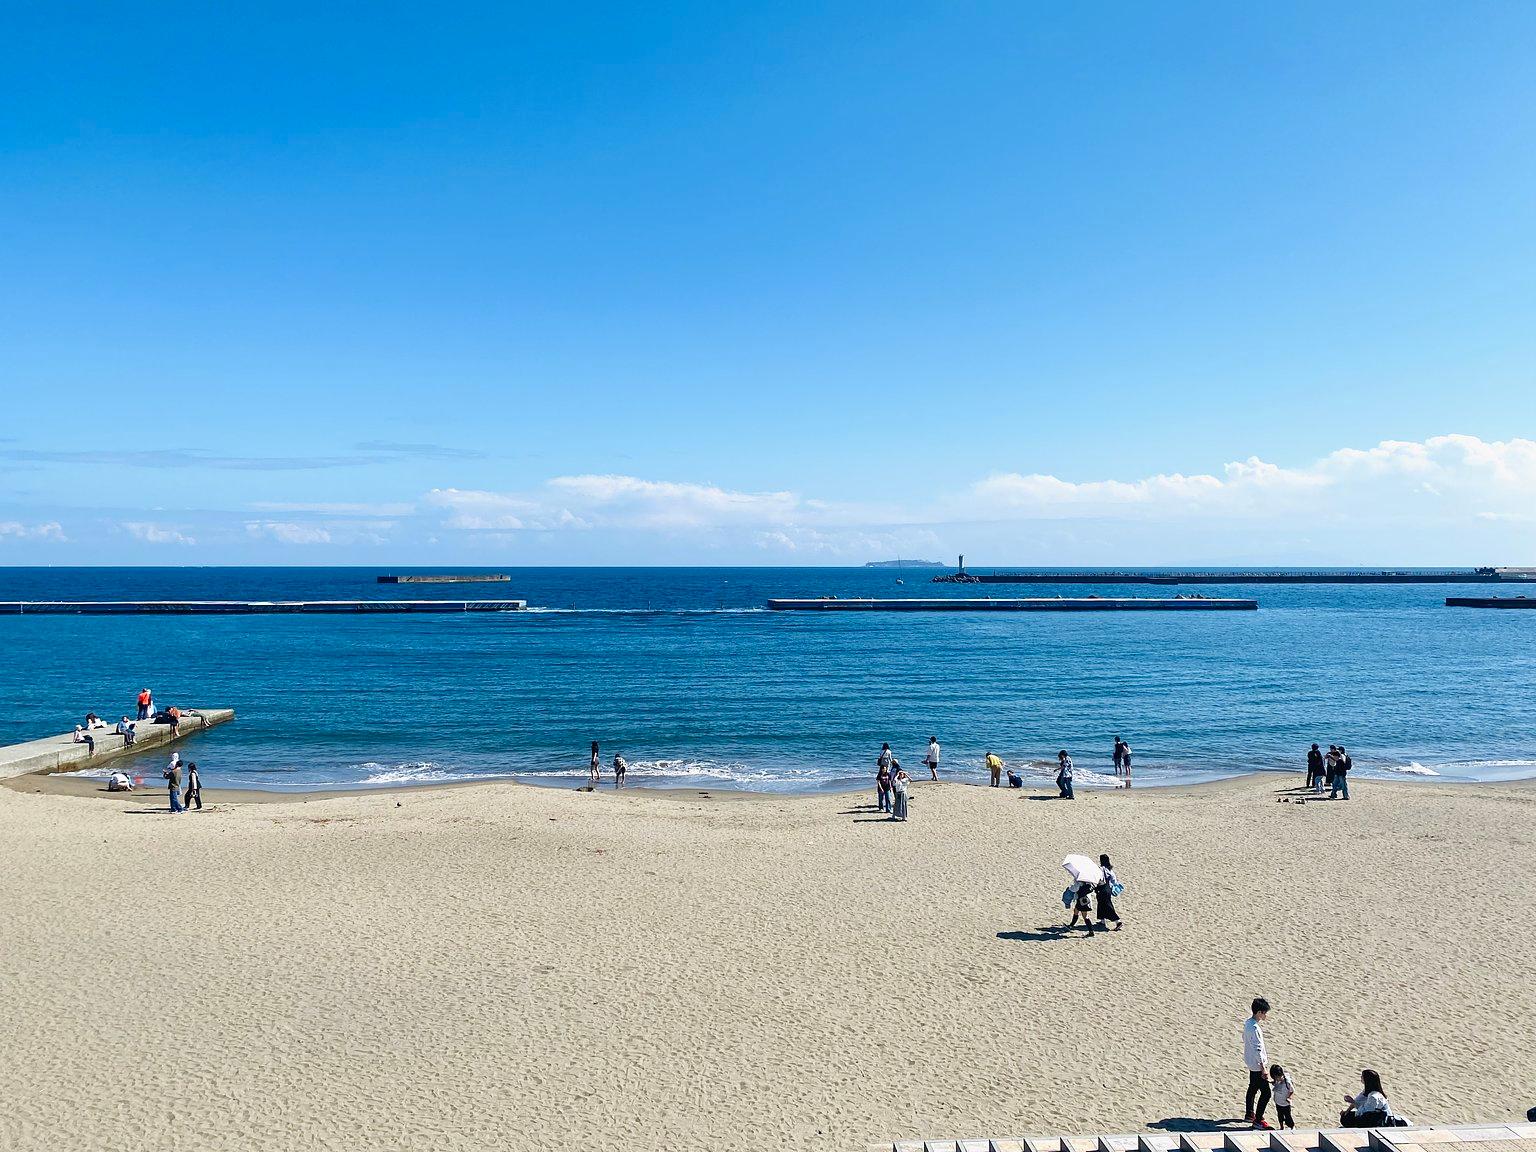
(144, 699)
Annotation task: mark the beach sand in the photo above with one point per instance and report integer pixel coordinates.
(503, 966)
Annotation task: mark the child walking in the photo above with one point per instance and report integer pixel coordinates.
(1284, 1090)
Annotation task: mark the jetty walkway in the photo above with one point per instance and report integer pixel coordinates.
(1043, 604)
(246, 607)
(62, 754)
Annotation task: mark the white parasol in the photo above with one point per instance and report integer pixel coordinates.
(1083, 870)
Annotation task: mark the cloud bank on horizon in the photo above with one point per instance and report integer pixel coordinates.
(1446, 499)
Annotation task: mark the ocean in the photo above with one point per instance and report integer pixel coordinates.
(684, 672)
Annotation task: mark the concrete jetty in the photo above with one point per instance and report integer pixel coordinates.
(484, 578)
(1490, 601)
(246, 607)
(62, 754)
(1180, 576)
(1049, 604)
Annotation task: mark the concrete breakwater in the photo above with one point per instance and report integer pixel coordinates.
(448, 578)
(61, 753)
(1044, 604)
(246, 607)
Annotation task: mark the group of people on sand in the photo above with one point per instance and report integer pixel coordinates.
(183, 802)
(892, 780)
(1367, 1108)
(1330, 771)
(1103, 913)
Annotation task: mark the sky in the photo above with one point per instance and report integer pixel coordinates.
(504, 284)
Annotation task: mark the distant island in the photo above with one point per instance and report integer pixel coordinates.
(905, 564)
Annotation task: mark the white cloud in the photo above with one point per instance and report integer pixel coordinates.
(1444, 476)
(155, 533)
(16, 530)
(286, 533)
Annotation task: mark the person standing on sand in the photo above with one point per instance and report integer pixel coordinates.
(1256, 1060)
(620, 769)
(995, 767)
(595, 769)
(194, 789)
(1119, 754)
(1330, 764)
(1341, 775)
(1315, 769)
(899, 787)
(172, 776)
(1125, 762)
(932, 759)
(883, 777)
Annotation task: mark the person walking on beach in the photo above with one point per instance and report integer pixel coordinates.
(1064, 775)
(1104, 895)
(1314, 770)
(899, 784)
(620, 769)
(995, 767)
(145, 699)
(595, 768)
(932, 759)
(194, 789)
(172, 776)
(1256, 1060)
(1080, 907)
(1284, 1090)
(1341, 775)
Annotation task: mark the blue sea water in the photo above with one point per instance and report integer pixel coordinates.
(685, 673)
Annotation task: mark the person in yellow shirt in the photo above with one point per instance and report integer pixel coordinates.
(995, 767)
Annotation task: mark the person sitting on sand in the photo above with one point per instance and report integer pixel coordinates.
(995, 767)
(899, 782)
(1256, 1060)
(620, 767)
(1014, 779)
(1104, 895)
(1064, 775)
(1370, 1108)
(119, 782)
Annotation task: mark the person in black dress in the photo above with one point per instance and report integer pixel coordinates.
(1104, 896)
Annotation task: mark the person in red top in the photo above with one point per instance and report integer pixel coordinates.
(144, 699)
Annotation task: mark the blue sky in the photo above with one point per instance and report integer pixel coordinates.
(768, 284)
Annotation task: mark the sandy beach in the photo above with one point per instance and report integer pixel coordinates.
(502, 966)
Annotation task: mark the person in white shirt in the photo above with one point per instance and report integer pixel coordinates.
(1370, 1108)
(1284, 1091)
(899, 787)
(1256, 1060)
(933, 756)
(119, 782)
